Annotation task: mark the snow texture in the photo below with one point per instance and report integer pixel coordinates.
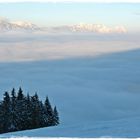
(95, 96)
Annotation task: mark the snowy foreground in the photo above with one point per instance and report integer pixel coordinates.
(96, 97)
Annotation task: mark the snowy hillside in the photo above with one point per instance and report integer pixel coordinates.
(96, 97)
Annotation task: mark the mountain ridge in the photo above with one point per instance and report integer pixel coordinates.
(6, 25)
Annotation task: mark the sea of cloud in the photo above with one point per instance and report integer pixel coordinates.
(29, 46)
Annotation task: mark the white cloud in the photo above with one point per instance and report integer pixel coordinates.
(32, 47)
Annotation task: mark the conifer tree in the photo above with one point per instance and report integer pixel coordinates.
(20, 94)
(56, 116)
(2, 118)
(20, 112)
(35, 110)
(21, 109)
(42, 116)
(49, 112)
(6, 111)
(28, 109)
(13, 113)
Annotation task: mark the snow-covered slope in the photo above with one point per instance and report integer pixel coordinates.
(96, 97)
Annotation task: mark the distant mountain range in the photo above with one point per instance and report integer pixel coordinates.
(83, 27)
(6, 25)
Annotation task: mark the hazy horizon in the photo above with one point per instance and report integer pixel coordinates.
(57, 14)
(102, 28)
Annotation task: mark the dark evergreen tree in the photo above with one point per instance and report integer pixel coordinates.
(21, 109)
(20, 95)
(20, 112)
(35, 110)
(28, 108)
(49, 112)
(56, 116)
(6, 111)
(42, 115)
(2, 118)
(13, 94)
(13, 113)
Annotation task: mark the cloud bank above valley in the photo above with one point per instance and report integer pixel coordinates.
(33, 47)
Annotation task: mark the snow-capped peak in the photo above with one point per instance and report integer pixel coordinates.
(84, 27)
(26, 25)
(99, 28)
(6, 25)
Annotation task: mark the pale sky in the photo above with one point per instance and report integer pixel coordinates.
(55, 14)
